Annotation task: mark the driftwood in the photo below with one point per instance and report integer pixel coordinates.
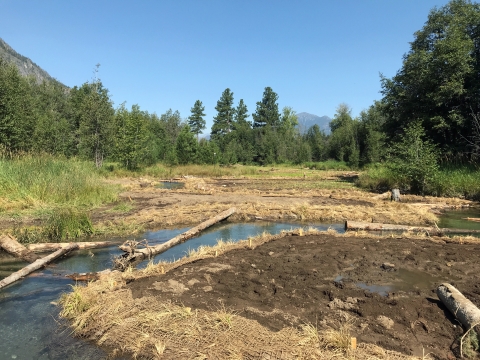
(36, 265)
(133, 255)
(45, 247)
(356, 225)
(12, 246)
(472, 219)
(462, 308)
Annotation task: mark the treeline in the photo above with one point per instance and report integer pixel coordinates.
(82, 122)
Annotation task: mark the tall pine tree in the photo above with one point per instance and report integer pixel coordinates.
(267, 110)
(196, 121)
(223, 122)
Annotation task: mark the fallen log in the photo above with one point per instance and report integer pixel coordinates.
(45, 247)
(133, 254)
(463, 309)
(357, 225)
(12, 246)
(472, 219)
(36, 265)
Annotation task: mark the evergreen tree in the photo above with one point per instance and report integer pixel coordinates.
(267, 110)
(241, 116)
(186, 147)
(196, 121)
(223, 122)
(16, 109)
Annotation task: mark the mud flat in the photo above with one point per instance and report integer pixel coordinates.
(382, 290)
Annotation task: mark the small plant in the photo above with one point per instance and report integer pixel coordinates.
(470, 344)
(67, 224)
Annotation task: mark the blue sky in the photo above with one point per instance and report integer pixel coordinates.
(167, 54)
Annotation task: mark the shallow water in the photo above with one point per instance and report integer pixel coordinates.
(169, 185)
(456, 219)
(405, 280)
(29, 324)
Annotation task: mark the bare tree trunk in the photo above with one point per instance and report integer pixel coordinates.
(132, 254)
(356, 225)
(36, 265)
(45, 247)
(12, 246)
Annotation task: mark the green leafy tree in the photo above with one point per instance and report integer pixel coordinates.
(187, 146)
(131, 136)
(439, 81)
(343, 142)
(267, 110)
(196, 121)
(372, 137)
(414, 160)
(223, 122)
(317, 139)
(96, 122)
(17, 111)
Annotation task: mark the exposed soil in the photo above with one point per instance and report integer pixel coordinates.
(388, 285)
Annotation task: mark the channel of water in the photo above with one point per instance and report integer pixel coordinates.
(29, 323)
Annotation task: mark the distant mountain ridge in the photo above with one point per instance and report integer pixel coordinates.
(306, 121)
(25, 66)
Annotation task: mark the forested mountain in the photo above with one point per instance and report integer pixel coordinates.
(25, 66)
(306, 121)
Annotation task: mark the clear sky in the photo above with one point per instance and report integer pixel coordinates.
(163, 54)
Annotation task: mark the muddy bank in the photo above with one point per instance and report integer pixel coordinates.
(318, 278)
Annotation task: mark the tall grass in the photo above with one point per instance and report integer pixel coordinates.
(46, 182)
(449, 181)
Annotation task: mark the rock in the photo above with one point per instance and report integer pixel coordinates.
(207, 288)
(271, 253)
(385, 322)
(388, 266)
(253, 266)
(349, 304)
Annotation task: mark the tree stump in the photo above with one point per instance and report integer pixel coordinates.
(395, 195)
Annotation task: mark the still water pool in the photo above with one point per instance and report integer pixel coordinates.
(29, 323)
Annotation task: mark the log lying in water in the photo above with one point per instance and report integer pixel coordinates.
(356, 225)
(132, 254)
(36, 265)
(12, 246)
(463, 309)
(45, 247)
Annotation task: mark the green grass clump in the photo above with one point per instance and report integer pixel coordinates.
(328, 165)
(448, 181)
(67, 224)
(46, 182)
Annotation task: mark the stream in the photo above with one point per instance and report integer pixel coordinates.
(29, 324)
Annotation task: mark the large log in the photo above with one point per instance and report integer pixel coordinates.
(133, 255)
(12, 246)
(36, 265)
(463, 309)
(45, 247)
(356, 225)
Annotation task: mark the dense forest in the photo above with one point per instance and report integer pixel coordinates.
(427, 118)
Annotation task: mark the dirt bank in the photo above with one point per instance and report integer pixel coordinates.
(297, 280)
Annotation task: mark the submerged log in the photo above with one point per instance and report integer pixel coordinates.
(462, 308)
(132, 254)
(36, 265)
(45, 247)
(12, 246)
(357, 225)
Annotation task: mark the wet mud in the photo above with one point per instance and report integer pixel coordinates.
(386, 285)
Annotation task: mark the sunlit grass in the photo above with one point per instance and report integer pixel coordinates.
(44, 182)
